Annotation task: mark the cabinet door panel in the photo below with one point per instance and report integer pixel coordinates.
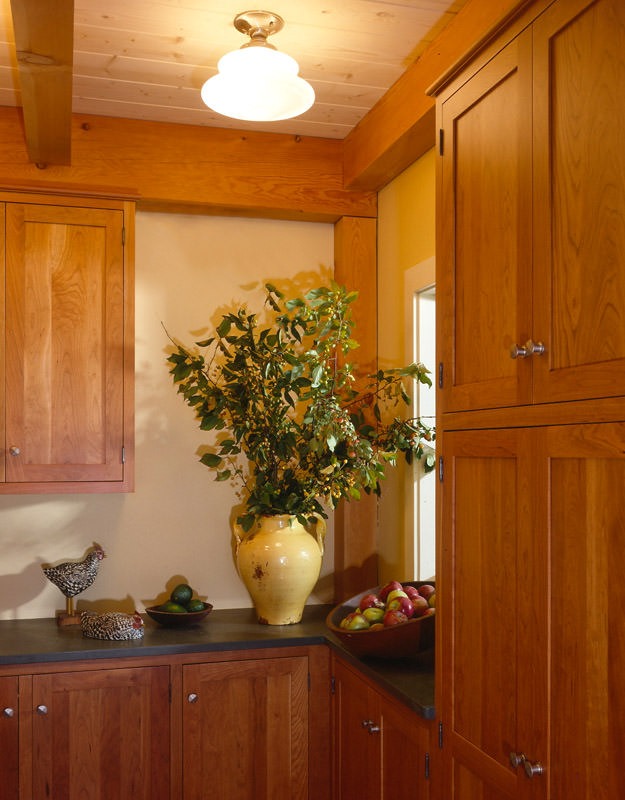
(587, 475)
(65, 333)
(485, 259)
(405, 742)
(245, 737)
(104, 736)
(492, 652)
(579, 209)
(9, 748)
(356, 751)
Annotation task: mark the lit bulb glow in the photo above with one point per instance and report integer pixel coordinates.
(258, 84)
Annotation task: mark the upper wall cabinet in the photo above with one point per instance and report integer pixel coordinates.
(533, 293)
(68, 371)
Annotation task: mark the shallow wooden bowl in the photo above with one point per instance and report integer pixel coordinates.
(398, 641)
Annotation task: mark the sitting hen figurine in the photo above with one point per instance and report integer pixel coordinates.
(72, 578)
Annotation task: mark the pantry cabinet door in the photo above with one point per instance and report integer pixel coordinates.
(64, 344)
(245, 730)
(586, 506)
(579, 205)
(484, 239)
(493, 616)
(101, 735)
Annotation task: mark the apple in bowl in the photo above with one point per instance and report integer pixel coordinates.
(406, 626)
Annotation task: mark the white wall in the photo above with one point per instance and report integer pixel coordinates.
(176, 524)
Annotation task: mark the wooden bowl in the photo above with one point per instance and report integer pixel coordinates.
(398, 641)
(170, 620)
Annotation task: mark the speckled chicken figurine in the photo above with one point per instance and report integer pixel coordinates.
(72, 578)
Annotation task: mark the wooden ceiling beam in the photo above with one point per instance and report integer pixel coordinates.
(401, 126)
(44, 42)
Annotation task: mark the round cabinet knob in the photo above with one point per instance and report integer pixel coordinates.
(367, 723)
(516, 759)
(533, 768)
(42, 709)
(192, 697)
(530, 348)
(374, 728)
(14, 450)
(8, 712)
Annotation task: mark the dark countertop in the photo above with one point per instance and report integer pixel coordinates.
(33, 641)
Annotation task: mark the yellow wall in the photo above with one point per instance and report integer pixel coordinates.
(406, 236)
(176, 523)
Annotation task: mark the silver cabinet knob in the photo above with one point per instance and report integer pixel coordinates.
(14, 450)
(8, 712)
(370, 725)
(42, 709)
(516, 759)
(533, 768)
(530, 348)
(192, 697)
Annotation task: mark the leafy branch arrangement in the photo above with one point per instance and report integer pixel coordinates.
(295, 428)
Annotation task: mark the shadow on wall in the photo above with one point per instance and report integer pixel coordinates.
(40, 530)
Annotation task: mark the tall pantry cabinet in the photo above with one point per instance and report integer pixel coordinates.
(531, 307)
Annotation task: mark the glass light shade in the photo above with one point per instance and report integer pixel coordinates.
(259, 84)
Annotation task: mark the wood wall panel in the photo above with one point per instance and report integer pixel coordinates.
(355, 523)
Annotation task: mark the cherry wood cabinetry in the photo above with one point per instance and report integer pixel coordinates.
(532, 236)
(225, 725)
(68, 343)
(381, 749)
(9, 738)
(531, 248)
(534, 645)
(245, 729)
(95, 734)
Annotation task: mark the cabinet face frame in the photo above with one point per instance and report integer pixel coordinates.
(117, 472)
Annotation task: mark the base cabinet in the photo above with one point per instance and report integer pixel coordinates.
(245, 730)
(102, 735)
(9, 738)
(227, 725)
(381, 748)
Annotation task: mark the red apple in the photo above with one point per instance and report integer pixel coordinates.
(403, 604)
(389, 587)
(420, 606)
(411, 591)
(394, 617)
(426, 590)
(370, 600)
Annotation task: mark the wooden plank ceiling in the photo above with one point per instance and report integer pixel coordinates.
(147, 59)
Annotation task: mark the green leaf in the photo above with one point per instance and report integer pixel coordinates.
(211, 460)
(223, 329)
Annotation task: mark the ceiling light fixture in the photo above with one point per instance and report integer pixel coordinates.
(257, 82)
